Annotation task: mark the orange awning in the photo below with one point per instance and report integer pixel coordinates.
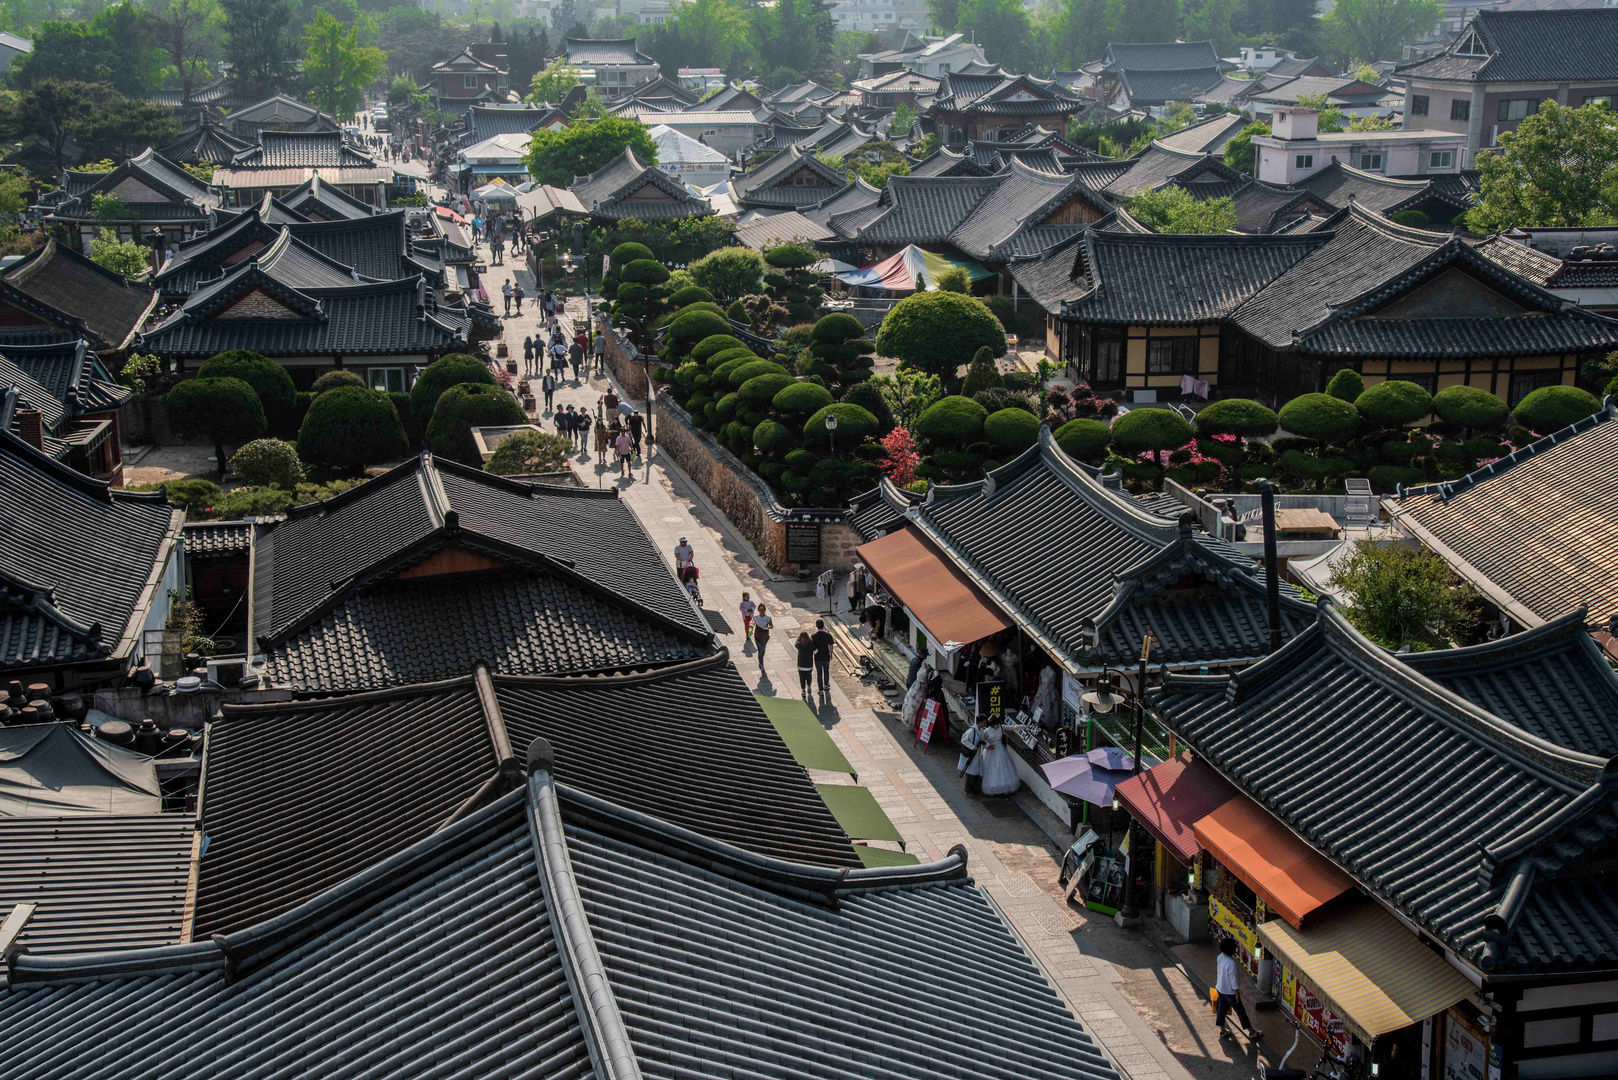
(1285, 872)
(1170, 798)
(948, 605)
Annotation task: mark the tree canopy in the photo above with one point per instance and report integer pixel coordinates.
(1404, 596)
(1370, 30)
(337, 68)
(1559, 168)
(1176, 210)
(556, 157)
(552, 84)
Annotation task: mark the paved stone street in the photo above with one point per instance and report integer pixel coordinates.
(1152, 1019)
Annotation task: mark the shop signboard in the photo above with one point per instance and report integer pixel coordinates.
(1311, 1012)
(803, 542)
(1072, 694)
(991, 700)
(1466, 1049)
(925, 722)
(1237, 927)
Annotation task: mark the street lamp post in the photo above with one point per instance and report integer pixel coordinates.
(1107, 696)
(831, 430)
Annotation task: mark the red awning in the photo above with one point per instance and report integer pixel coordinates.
(1168, 799)
(1290, 877)
(946, 602)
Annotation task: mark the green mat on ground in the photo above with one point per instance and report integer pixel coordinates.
(881, 856)
(856, 810)
(800, 729)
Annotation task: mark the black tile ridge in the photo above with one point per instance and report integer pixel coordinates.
(340, 699)
(321, 507)
(100, 490)
(1241, 575)
(618, 677)
(489, 702)
(1545, 637)
(1448, 489)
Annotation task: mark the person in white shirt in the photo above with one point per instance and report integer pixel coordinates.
(762, 623)
(1229, 997)
(683, 552)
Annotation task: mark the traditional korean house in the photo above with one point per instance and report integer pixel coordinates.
(278, 113)
(280, 162)
(902, 87)
(61, 401)
(86, 570)
(487, 121)
(1153, 74)
(54, 294)
(731, 98)
(1161, 164)
(615, 65)
(455, 84)
(793, 178)
(1470, 927)
(983, 105)
(204, 143)
(629, 188)
(1534, 532)
(1338, 183)
(157, 192)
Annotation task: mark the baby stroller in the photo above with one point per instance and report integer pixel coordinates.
(688, 576)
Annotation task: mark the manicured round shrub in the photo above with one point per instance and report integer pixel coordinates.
(1083, 439)
(626, 253)
(737, 312)
(333, 379)
(1013, 428)
(837, 327)
(352, 427)
(725, 407)
(1394, 402)
(951, 419)
(996, 398)
(1469, 407)
(725, 356)
(194, 496)
(527, 452)
(267, 378)
(708, 347)
(631, 293)
(1552, 408)
(1389, 477)
(802, 399)
(691, 326)
(268, 463)
(691, 294)
(1237, 416)
(1150, 429)
(440, 375)
(761, 389)
(701, 305)
(802, 461)
(939, 332)
(462, 408)
(753, 369)
(220, 410)
(1612, 388)
(868, 396)
(1346, 385)
(644, 272)
(686, 374)
(853, 425)
(1320, 417)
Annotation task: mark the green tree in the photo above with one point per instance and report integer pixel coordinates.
(1144, 20)
(982, 374)
(1237, 416)
(1083, 440)
(124, 257)
(120, 127)
(1552, 408)
(1401, 596)
(552, 84)
(719, 28)
(732, 272)
(1214, 20)
(938, 332)
(115, 47)
(336, 67)
(1559, 168)
(268, 463)
(1378, 29)
(1469, 407)
(459, 410)
(1001, 27)
(1330, 118)
(1370, 123)
(528, 452)
(1150, 430)
(556, 157)
(219, 410)
(943, 15)
(1394, 403)
(904, 119)
(260, 46)
(51, 112)
(440, 375)
(1176, 210)
(1075, 31)
(187, 32)
(1346, 385)
(268, 379)
(1240, 153)
(1320, 417)
(351, 427)
(954, 280)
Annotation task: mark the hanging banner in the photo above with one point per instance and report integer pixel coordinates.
(991, 701)
(925, 721)
(1466, 1049)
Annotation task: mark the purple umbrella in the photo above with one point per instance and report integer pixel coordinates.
(1110, 757)
(1081, 778)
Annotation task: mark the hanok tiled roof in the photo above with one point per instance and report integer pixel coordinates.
(771, 229)
(763, 186)
(487, 121)
(857, 195)
(730, 98)
(204, 144)
(920, 210)
(1299, 65)
(1338, 184)
(717, 767)
(1534, 531)
(1160, 87)
(212, 539)
(102, 881)
(595, 52)
(302, 150)
(462, 953)
(946, 162)
(464, 62)
(1010, 222)
(1159, 165)
(279, 112)
(1332, 724)
(903, 81)
(1531, 46)
(629, 188)
(875, 513)
(992, 94)
(1161, 55)
(1056, 277)
(1068, 557)
(78, 561)
(70, 291)
(318, 200)
(154, 189)
(1261, 207)
(63, 380)
(1207, 136)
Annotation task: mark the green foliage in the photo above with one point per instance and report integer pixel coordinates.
(459, 410)
(691, 294)
(954, 280)
(998, 397)
(1415, 219)
(1346, 385)
(710, 347)
(869, 397)
(1083, 439)
(556, 157)
(1378, 29)
(1320, 417)
(268, 463)
(1014, 428)
(690, 327)
(937, 332)
(982, 374)
(737, 312)
(1551, 408)
(218, 409)
(1237, 416)
(333, 379)
(110, 208)
(1394, 402)
(1176, 210)
(527, 452)
(1559, 168)
(644, 272)
(1401, 596)
(349, 428)
(124, 257)
(1612, 388)
(731, 272)
(752, 369)
(953, 419)
(854, 424)
(763, 388)
(1240, 154)
(440, 375)
(1150, 429)
(192, 496)
(626, 253)
(267, 378)
(802, 399)
(551, 85)
(140, 372)
(337, 66)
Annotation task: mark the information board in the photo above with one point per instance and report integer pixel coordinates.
(803, 542)
(991, 700)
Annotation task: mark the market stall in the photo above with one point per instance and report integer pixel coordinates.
(910, 269)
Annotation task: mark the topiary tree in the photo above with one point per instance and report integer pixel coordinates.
(1015, 429)
(333, 379)
(762, 389)
(938, 332)
(955, 280)
(803, 399)
(731, 272)
(982, 374)
(1151, 430)
(268, 463)
(838, 351)
(854, 426)
(1612, 388)
(1552, 408)
(713, 345)
(1237, 416)
(641, 295)
(349, 428)
(953, 420)
(688, 328)
(737, 374)
(791, 282)
(1320, 417)
(773, 437)
(462, 408)
(1085, 440)
(1394, 403)
(691, 294)
(626, 253)
(1346, 385)
(267, 378)
(868, 396)
(528, 452)
(440, 375)
(217, 409)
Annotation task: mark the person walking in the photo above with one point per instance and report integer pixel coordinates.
(517, 294)
(610, 400)
(856, 589)
(806, 663)
(576, 355)
(999, 774)
(559, 351)
(747, 608)
(637, 424)
(625, 447)
(601, 349)
(564, 424)
(528, 355)
(497, 248)
(505, 294)
(1229, 996)
(683, 552)
(967, 766)
(822, 642)
(603, 438)
(548, 384)
(762, 624)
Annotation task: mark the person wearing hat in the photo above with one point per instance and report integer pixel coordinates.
(683, 552)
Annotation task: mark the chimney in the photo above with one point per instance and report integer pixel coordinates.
(1295, 123)
(31, 427)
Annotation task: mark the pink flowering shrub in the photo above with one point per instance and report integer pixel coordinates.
(902, 458)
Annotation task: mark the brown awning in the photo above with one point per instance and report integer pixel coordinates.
(1169, 798)
(948, 605)
(1286, 873)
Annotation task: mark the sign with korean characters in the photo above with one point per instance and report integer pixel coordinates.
(925, 722)
(1466, 1049)
(1237, 927)
(991, 700)
(1311, 1013)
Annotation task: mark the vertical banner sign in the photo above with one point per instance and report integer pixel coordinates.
(925, 722)
(1466, 1049)
(991, 700)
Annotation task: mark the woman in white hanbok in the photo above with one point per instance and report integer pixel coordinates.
(999, 774)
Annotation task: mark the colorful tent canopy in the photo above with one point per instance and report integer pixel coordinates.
(900, 271)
